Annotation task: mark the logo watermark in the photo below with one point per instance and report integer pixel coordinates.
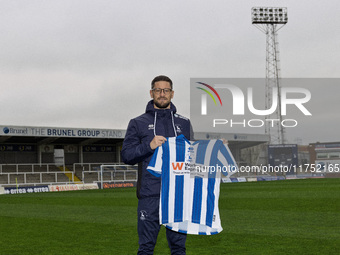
(218, 104)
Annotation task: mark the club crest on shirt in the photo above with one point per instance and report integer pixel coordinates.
(143, 214)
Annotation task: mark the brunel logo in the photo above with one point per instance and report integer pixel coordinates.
(6, 130)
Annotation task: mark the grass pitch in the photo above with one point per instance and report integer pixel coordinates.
(277, 217)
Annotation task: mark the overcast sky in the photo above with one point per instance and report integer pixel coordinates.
(81, 63)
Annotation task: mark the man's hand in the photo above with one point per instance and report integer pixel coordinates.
(157, 141)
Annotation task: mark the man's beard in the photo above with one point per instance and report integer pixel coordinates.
(162, 106)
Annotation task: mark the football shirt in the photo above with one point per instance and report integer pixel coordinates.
(191, 174)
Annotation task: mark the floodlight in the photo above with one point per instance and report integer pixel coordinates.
(269, 15)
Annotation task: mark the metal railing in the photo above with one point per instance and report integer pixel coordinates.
(35, 178)
(38, 174)
(90, 166)
(110, 173)
(34, 168)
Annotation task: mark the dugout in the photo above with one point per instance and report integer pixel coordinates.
(38, 145)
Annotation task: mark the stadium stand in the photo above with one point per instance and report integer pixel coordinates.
(34, 155)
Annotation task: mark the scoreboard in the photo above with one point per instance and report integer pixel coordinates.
(283, 155)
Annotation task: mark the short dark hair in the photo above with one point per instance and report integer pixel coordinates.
(161, 78)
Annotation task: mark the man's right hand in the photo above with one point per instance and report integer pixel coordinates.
(157, 141)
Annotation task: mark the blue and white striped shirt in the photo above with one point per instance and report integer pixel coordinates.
(191, 175)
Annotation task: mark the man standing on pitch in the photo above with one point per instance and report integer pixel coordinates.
(144, 134)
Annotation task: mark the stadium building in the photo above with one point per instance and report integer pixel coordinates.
(325, 158)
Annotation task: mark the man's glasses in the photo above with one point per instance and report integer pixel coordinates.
(165, 91)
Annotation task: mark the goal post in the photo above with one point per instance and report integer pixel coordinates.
(117, 173)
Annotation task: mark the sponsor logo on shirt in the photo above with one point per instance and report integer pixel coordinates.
(177, 165)
(180, 167)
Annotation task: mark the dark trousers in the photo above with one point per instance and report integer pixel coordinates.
(148, 229)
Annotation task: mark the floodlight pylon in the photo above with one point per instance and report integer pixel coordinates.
(269, 20)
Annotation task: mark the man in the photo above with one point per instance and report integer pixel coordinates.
(144, 134)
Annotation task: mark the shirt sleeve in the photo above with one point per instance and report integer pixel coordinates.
(226, 158)
(156, 162)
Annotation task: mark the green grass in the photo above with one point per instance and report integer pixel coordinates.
(278, 217)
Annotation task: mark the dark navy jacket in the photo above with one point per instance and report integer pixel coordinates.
(136, 145)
